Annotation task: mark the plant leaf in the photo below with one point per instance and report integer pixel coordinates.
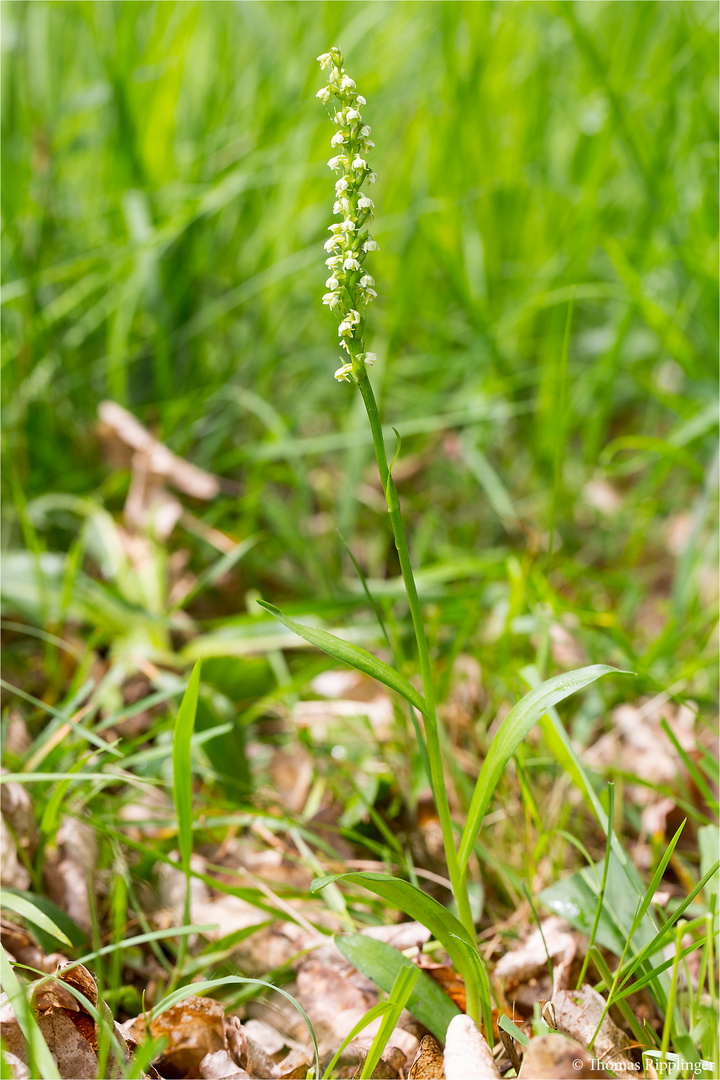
(21, 906)
(354, 655)
(441, 923)
(513, 730)
(381, 963)
(182, 766)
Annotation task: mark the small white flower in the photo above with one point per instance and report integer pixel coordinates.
(351, 263)
(338, 139)
(331, 243)
(339, 118)
(331, 299)
(332, 283)
(345, 327)
(371, 178)
(337, 208)
(344, 345)
(353, 316)
(324, 59)
(359, 163)
(370, 295)
(366, 281)
(333, 261)
(324, 94)
(342, 374)
(353, 114)
(365, 130)
(369, 358)
(365, 203)
(360, 99)
(348, 225)
(346, 83)
(336, 227)
(371, 245)
(334, 162)
(369, 142)
(341, 185)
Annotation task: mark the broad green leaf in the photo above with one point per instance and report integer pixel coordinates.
(21, 906)
(182, 766)
(575, 898)
(441, 923)
(381, 963)
(40, 1054)
(354, 655)
(516, 725)
(235, 980)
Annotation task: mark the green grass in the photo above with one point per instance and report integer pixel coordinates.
(546, 326)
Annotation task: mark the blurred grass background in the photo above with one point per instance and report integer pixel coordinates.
(165, 199)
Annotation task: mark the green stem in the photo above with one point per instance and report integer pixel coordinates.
(437, 777)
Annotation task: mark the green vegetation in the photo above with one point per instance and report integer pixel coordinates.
(546, 332)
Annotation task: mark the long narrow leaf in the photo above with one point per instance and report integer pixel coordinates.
(354, 655)
(21, 906)
(513, 730)
(377, 1010)
(182, 766)
(399, 995)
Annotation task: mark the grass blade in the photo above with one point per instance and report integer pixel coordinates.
(354, 655)
(399, 995)
(513, 730)
(21, 906)
(182, 768)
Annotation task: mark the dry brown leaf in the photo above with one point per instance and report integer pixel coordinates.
(220, 1066)
(258, 1062)
(194, 1027)
(429, 1063)
(636, 737)
(467, 1054)
(14, 875)
(19, 814)
(75, 1057)
(127, 439)
(553, 1057)
(24, 949)
(529, 960)
(447, 979)
(294, 1067)
(401, 936)
(389, 1067)
(292, 774)
(577, 1014)
(68, 866)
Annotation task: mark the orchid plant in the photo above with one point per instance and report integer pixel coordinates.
(350, 289)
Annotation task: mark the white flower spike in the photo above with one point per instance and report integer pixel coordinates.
(349, 287)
